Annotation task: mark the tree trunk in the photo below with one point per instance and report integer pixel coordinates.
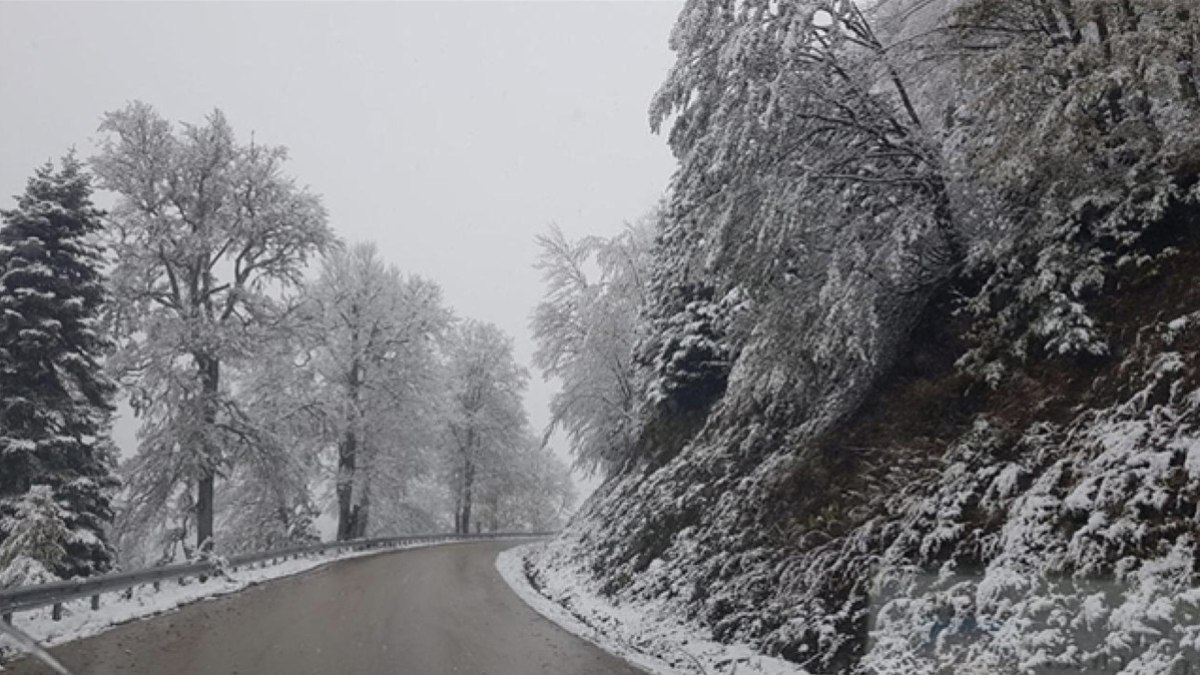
(468, 484)
(348, 457)
(362, 513)
(362, 510)
(210, 380)
(204, 512)
(1186, 64)
(493, 515)
(347, 450)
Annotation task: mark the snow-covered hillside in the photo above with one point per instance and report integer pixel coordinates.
(936, 406)
(1048, 525)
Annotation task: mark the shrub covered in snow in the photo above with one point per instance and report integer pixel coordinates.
(34, 540)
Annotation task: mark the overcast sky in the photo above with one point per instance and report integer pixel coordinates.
(450, 133)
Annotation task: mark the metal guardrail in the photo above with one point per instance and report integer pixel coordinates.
(54, 594)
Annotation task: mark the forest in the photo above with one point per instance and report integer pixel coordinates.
(276, 372)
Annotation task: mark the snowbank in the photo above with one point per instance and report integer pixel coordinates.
(644, 634)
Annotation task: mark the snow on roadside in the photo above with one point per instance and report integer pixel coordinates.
(643, 634)
(80, 621)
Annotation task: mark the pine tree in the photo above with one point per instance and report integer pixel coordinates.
(55, 400)
(37, 533)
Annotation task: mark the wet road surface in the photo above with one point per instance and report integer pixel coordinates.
(428, 611)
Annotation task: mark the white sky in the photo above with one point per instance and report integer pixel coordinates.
(450, 133)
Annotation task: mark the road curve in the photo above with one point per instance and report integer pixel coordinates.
(428, 611)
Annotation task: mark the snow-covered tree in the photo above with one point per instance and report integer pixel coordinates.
(785, 115)
(486, 418)
(811, 190)
(374, 336)
(206, 231)
(36, 539)
(531, 490)
(270, 496)
(1081, 118)
(55, 400)
(586, 328)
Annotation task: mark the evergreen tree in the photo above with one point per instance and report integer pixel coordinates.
(35, 542)
(55, 400)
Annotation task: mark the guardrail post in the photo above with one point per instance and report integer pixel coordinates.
(96, 601)
(56, 612)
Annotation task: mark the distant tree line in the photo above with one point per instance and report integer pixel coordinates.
(264, 393)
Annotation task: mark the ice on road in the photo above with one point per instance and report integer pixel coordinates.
(442, 609)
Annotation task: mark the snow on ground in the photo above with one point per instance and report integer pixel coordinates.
(643, 634)
(80, 621)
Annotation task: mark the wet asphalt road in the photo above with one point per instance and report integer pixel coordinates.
(428, 611)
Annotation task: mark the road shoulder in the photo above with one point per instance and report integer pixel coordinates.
(646, 636)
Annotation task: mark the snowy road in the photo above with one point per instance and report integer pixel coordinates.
(443, 609)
